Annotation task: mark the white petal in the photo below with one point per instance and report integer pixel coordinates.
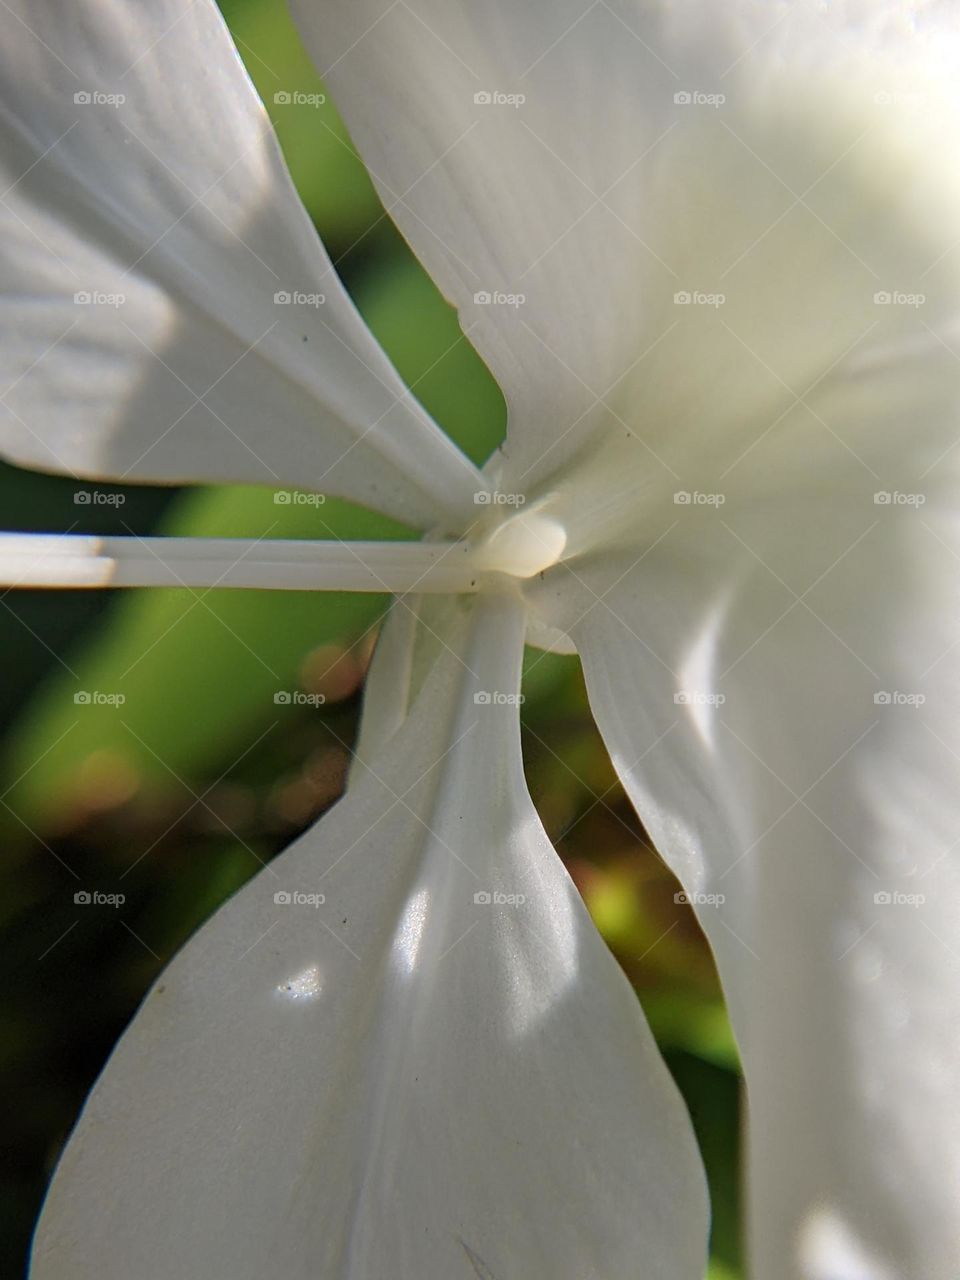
(780, 696)
(151, 227)
(601, 196)
(402, 1080)
(782, 490)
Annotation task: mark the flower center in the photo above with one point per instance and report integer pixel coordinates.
(522, 545)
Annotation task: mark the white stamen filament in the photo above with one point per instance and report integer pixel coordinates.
(83, 560)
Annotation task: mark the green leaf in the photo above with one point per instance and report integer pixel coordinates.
(329, 175)
(197, 671)
(695, 1023)
(720, 1271)
(420, 332)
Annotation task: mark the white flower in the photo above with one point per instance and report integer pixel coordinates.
(709, 253)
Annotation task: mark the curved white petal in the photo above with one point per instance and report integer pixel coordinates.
(660, 150)
(767, 538)
(406, 1079)
(780, 695)
(170, 313)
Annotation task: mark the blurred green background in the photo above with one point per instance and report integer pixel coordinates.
(178, 796)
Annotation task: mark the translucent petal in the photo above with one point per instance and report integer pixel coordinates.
(170, 314)
(402, 1050)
